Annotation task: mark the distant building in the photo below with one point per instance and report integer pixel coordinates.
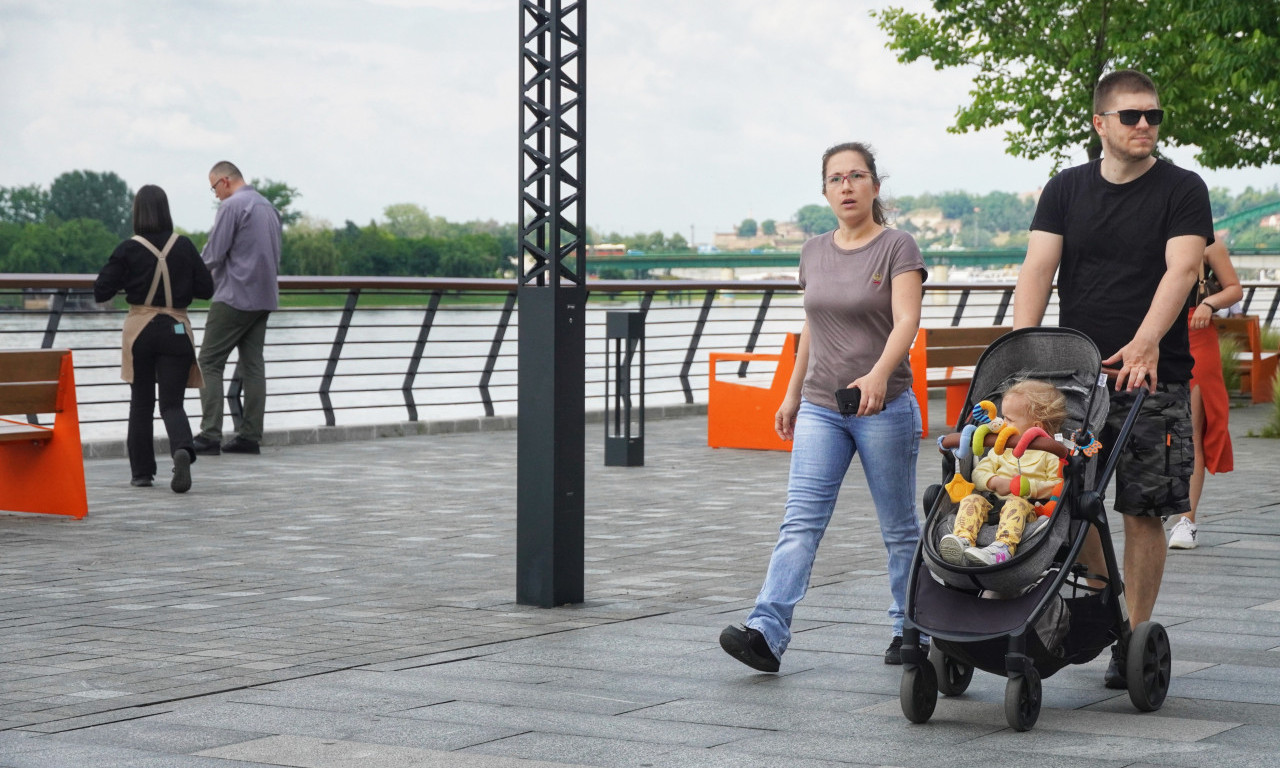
(788, 237)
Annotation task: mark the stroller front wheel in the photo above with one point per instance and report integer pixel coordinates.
(1022, 700)
(1149, 666)
(918, 693)
(953, 676)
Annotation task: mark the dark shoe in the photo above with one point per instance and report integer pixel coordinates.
(240, 445)
(181, 482)
(206, 447)
(1115, 677)
(748, 646)
(140, 482)
(893, 654)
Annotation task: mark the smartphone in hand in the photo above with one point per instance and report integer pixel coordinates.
(848, 400)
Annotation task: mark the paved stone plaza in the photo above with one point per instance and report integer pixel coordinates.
(352, 604)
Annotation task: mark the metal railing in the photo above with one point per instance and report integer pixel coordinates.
(364, 350)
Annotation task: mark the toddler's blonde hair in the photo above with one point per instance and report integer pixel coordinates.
(1045, 403)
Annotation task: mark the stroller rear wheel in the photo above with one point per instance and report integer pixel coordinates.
(918, 692)
(1022, 700)
(1149, 666)
(953, 676)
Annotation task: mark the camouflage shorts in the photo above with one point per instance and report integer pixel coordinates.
(1153, 474)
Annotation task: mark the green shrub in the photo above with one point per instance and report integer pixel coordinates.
(1230, 347)
(1272, 427)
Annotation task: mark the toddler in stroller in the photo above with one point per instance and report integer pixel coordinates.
(1053, 611)
(1015, 478)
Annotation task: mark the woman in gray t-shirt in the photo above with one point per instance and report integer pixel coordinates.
(863, 288)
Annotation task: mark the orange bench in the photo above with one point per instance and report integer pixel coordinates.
(41, 467)
(740, 415)
(944, 357)
(1257, 366)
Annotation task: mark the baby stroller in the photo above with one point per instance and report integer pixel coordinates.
(1030, 616)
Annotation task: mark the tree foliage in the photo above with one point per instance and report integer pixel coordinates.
(1216, 62)
(814, 219)
(281, 196)
(748, 228)
(23, 205)
(104, 197)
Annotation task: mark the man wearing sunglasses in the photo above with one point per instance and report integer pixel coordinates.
(1126, 234)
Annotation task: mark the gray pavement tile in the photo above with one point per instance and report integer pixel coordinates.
(632, 726)
(306, 752)
(384, 619)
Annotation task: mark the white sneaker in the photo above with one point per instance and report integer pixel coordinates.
(951, 547)
(993, 553)
(1183, 535)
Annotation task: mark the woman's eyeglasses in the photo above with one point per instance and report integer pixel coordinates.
(1132, 116)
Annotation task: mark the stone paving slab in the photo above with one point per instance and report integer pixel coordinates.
(332, 604)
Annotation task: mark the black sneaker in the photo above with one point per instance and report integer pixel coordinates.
(181, 482)
(203, 446)
(893, 654)
(238, 444)
(748, 646)
(141, 482)
(1115, 676)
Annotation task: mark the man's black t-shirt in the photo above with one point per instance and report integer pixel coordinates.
(1113, 251)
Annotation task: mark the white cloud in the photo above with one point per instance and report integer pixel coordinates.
(699, 113)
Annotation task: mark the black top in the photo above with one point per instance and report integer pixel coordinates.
(1113, 251)
(132, 267)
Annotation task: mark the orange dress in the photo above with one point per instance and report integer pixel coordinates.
(1206, 373)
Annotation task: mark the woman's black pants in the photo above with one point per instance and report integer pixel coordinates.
(161, 357)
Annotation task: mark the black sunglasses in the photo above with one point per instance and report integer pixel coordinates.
(1132, 116)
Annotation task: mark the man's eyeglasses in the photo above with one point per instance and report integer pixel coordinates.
(214, 188)
(835, 179)
(1132, 116)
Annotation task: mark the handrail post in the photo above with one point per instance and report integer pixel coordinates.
(1006, 297)
(416, 358)
(1275, 303)
(755, 330)
(496, 346)
(57, 306)
(694, 338)
(964, 300)
(335, 354)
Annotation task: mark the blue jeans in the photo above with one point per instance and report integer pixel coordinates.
(825, 443)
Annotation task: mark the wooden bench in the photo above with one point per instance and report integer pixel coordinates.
(41, 467)
(739, 414)
(944, 357)
(1257, 366)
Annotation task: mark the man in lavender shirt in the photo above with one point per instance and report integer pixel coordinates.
(243, 254)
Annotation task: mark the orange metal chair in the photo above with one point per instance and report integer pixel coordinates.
(41, 468)
(740, 415)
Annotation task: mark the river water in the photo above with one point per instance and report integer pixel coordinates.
(372, 367)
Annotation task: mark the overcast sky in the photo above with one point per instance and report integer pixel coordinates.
(700, 112)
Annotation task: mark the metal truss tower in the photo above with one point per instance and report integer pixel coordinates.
(552, 300)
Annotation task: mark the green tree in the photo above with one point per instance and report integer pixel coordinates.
(309, 251)
(78, 246)
(1216, 62)
(408, 220)
(281, 196)
(769, 227)
(955, 205)
(747, 228)
(677, 242)
(23, 205)
(813, 219)
(92, 195)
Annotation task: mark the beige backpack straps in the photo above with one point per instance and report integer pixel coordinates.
(162, 269)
